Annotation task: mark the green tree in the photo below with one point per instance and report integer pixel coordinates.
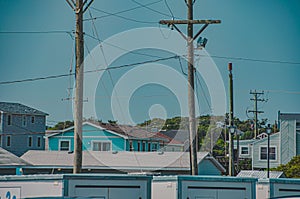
(291, 169)
(62, 125)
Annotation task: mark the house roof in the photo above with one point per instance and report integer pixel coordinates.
(118, 160)
(178, 135)
(8, 159)
(260, 174)
(255, 141)
(289, 116)
(17, 108)
(126, 131)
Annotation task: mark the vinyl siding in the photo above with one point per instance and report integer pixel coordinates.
(206, 167)
(90, 134)
(20, 133)
(274, 142)
(288, 139)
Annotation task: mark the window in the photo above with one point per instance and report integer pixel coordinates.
(130, 146)
(32, 119)
(101, 146)
(244, 150)
(154, 146)
(144, 146)
(24, 122)
(39, 142)
(264, 153)
(9, 120)
(139, 146)
(64, 145)
(30, 141)
(8, 141)
(149, 146)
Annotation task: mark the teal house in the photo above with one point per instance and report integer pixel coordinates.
(97, 136)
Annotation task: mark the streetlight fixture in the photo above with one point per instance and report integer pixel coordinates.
(268, 166)
(231, 150)
(232, 129)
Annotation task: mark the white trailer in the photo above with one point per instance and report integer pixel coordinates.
(203, 187)
(285, 188)
(76, 185)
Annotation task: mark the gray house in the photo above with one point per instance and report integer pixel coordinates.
(284, 145)
(21, 128)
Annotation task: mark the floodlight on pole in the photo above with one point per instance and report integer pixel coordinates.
(268, 158)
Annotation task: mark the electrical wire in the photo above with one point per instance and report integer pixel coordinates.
(37, 32)
(122, 17)
(166, 2)
(90, 71)
(120, 48)
(203, 92)
(153, 10)
(250, 59)
(123, 11)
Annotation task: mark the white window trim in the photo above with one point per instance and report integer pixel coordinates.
(8, 136)
(28, 138)
(24, 121)
(63, 140)
(266, 146)
(244, 153)
(10, 119)
(101, 141)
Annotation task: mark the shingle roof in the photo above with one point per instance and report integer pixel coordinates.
(179, 135)
(124, 130)
(9, 159)
(260, 174)
(119, 160)
(17, 108)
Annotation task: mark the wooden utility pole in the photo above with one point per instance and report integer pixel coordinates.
(256, 111)
(79, 8)
(78, 88)
(193, 138)
(231, 122)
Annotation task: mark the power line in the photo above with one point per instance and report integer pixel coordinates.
(90, 71)
(166, 2)
(153, 10)
(118, 47)
(122, 17)
(37, 32)
(123, 11)
(251, 59)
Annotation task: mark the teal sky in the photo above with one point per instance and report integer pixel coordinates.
(260, 38)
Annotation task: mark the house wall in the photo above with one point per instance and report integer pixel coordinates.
(90, 134)
(274, 142)
(20, 133)
(135, 143)
(288, 140)
(206, 167)
(244, 143)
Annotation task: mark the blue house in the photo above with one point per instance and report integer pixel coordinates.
(97, 136)
(22, 128)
